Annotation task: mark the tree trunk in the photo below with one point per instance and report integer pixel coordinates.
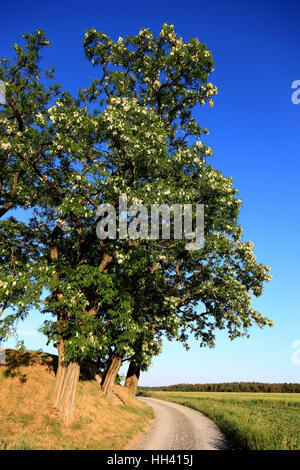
(107, 365)
(91, 370)
(59, 376)
(110, 376)
(67, 375)
(65, 388)
(132, 378)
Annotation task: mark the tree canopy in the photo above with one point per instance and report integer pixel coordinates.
(130, 132)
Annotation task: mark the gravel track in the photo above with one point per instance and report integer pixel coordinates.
(178, 427)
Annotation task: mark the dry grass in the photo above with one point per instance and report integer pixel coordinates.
(27, 420)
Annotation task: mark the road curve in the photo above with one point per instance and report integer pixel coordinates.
(178, 427)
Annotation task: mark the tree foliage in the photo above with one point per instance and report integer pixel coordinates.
(131, 131)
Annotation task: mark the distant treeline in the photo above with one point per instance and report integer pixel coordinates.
(229, 387)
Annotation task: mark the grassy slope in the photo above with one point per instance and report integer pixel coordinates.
(251, 420)
(28, 422)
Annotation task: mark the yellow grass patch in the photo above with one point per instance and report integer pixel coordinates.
(27, 420)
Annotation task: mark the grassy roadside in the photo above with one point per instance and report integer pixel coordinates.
(28, 422)
(252, 421)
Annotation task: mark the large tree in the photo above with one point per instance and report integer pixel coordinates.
(130, 132)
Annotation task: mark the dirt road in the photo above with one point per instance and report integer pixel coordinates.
(178, 427)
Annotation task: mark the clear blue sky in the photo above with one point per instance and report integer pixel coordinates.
(254, 129)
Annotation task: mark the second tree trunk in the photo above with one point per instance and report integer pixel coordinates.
(132, 378)
(110, 376)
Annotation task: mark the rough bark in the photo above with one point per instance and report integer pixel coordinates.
(65, 388)
(110, 376)
(58, 377)
(107, 365)
(132, 378)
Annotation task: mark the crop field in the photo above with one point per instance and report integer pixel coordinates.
(252, 421)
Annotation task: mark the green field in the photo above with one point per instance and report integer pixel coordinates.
(252, 421)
